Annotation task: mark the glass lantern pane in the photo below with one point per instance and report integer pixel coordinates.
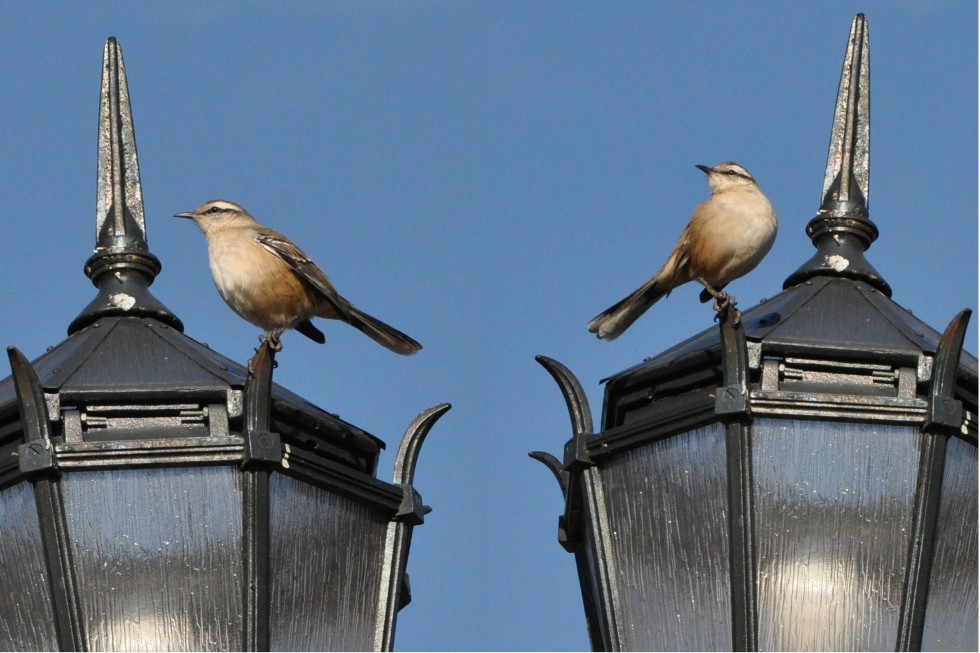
(951, 612)
(158, 553)
(27, 620)
(833, 514)
(325, 568)
(667, 507)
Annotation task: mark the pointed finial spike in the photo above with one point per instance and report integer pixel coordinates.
(119, 204)
(846, 181)
(841, 230)
(122, 267)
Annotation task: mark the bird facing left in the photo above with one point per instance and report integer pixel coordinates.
(271, 283)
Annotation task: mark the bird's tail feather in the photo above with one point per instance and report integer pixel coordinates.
(611, 323)
(383, 334)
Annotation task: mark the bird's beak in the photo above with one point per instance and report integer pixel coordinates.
(189, 216)
(705, 169)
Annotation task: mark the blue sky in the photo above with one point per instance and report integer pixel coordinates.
(485, 176)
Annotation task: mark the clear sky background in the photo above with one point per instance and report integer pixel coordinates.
(485, 176)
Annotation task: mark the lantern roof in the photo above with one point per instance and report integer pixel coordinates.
(825, 315)
(145, 360)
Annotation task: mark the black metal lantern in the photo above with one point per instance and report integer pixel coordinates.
(804, 479)
(155, 495)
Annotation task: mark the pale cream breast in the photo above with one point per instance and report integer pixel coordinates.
(256, 284)
(731, 234)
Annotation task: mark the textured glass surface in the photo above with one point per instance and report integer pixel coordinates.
(159, 557)
(833, 511)
(667, 507)
(951, 613)
(26, 620)
(325, 566)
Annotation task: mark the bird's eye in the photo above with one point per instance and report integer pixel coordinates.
(731, 172)
(213, 209)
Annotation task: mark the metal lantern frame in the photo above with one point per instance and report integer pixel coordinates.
(129, 401)
(832, 351)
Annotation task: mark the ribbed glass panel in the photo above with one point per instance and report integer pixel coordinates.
(833, 514)
(158, 555)
(951, 613)
(325, 566)
(668, 512)
(27, 618)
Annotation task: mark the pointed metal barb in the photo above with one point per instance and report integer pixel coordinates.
(37, 453)
(945, 412)
(395, 591)
(576, 450)
(575, 399)
(261, 444)
(406, 459)
(555, 467)
(841, 230)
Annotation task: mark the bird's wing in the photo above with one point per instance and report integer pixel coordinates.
(306, 269)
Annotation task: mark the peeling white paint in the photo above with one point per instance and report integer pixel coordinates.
(122, 300)
(837, 262)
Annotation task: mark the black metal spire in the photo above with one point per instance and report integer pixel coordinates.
(841, 230)
(122, 267)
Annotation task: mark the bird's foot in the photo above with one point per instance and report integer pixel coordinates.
(723, 300)
(272, 337)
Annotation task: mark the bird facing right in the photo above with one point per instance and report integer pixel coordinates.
(728, 235)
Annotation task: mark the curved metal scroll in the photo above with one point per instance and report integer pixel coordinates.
(411, 509)
(555, 467)
(583, 529)
(37, 456)
(945, 411)
(408, 450)
(576, 451)
(394, 592)
(37, 453)
(943, 418)
(571, 390)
